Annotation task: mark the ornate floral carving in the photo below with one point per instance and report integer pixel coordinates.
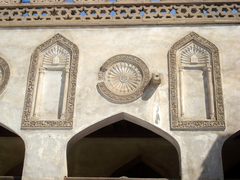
(176, 123)
(27, 122)
(123, 78)
(86, 13)
(4, 74)
(46, 1)
(10, 1)
(194, 54)
(56, 55)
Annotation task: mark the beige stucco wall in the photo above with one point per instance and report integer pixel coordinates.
(45, 155)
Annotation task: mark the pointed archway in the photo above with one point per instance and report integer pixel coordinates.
(140, 167)
(231, 157)
(12, 151)
(122, 145)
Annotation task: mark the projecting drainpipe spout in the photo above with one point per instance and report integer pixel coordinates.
(156, 79)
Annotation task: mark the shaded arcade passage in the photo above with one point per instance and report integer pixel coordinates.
(231, 157)
(12, 152)
(123, 149)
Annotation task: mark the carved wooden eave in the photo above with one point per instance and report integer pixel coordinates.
(176, 122)
(120, 13)
(28, 121)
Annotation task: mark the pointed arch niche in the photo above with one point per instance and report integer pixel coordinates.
(12, 153)
(123, 145)
(196, 100)
(51, 86)
(231, 157)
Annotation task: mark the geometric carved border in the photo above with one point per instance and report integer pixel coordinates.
(155, 13)
(6, 74)
(176, 123)
(132, 61)
(68, 121)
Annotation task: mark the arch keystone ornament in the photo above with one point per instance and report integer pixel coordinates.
(196, 98)
(123, 78)
(51, 89)
(4, 74)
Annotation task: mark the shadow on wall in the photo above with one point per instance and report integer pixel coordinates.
(212, 165)
(223, 160)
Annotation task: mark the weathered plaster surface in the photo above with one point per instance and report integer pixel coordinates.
(45, 156)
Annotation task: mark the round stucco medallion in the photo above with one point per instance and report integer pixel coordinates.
(4, 74)
(123, 78)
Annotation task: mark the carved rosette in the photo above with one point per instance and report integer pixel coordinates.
(27, 122)
(4, 74)
(123, 78)
(176, 123)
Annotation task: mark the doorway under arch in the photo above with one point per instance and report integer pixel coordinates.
(123, 149)
(231, 157)
(12, 151)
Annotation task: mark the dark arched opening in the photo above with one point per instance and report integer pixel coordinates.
(231, 157)
(12, 150)
(137, 168)
(123, 149)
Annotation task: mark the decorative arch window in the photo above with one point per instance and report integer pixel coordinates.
(52, 84)
(196, 100)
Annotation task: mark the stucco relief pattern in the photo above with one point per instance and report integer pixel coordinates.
(193, 49)
(68, 122)
(123, 78)
(4, 74)
(46, 1)
(219, 123)
(56, 55)
(10, 1)
(82, 13)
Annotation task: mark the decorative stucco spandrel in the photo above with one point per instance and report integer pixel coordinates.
(4, 74)
(123, 78)
(194, 52)
(56, 58)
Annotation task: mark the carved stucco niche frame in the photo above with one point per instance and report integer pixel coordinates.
(123, 78)
(4, 74)
(218, 122)
(28, 121)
